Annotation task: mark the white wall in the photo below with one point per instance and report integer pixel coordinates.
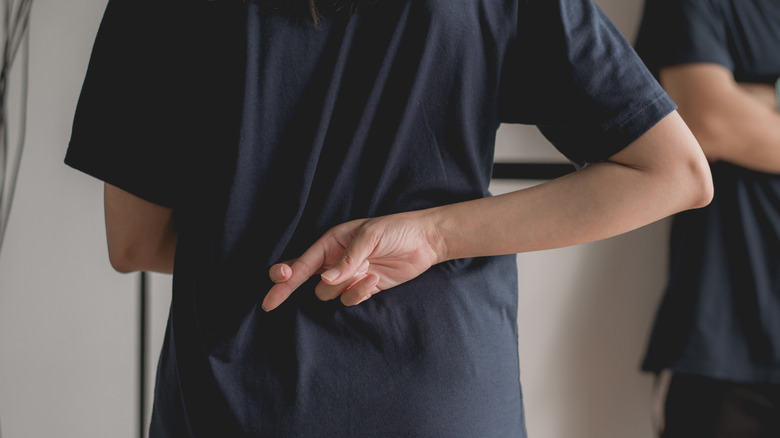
(584, 315)
(68, 322)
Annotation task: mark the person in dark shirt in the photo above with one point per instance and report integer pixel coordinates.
(718, 327)
(350, 159)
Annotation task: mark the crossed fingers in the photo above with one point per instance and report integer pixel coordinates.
(353, 286)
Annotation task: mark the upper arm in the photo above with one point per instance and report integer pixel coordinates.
(574, 75)
(664, 146)
(128, 130)
(669, 154)
(141, 235)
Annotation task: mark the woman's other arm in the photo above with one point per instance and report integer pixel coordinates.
(661, 173)
(141, 235)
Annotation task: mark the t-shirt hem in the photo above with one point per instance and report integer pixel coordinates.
(620, 134)
(711, 370)
(83, 164)
(692, 59)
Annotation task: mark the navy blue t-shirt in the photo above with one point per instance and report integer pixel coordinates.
(720, 316)
(262, 131)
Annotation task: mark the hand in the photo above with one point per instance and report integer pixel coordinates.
(360, 258)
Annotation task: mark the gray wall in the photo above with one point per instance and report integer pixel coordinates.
(68, 322)
(67, 338)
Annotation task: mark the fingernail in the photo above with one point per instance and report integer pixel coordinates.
(285, 270)
(331, 274)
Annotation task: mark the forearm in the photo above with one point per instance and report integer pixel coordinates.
(748, 135)
(661, 173)
(600, 201)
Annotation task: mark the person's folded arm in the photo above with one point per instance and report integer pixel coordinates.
(141, 235)
(661, 173)
(765, 93)
(732, 123)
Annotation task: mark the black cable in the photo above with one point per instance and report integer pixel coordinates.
(143, 294)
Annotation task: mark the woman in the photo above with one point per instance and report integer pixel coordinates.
(236, 138)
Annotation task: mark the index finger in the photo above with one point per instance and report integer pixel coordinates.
(307, 265)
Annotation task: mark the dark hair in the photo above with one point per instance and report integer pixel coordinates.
(312, 8)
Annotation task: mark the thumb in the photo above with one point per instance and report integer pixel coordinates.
(352, 259)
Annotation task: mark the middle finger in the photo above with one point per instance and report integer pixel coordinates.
(327, 292)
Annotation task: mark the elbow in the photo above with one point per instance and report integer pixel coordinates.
(691, 167)
(129, 254)
(701, 180)
(133, 255)
(695, 181)
(123, 258)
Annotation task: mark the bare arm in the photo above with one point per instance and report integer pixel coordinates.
(661, 173)
(765, 93)
(140, 234)
(730, 122)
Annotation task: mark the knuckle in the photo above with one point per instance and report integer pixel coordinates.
(347, 258)
(304, 268)
(372, 229)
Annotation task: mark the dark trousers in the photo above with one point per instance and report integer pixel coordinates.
(699, 407)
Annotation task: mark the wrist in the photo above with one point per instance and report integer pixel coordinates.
(436, 232)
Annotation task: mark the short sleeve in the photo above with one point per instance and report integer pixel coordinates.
(124, 129)
(572, 73)
(683, 31)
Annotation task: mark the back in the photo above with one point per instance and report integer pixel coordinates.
(393, 108)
